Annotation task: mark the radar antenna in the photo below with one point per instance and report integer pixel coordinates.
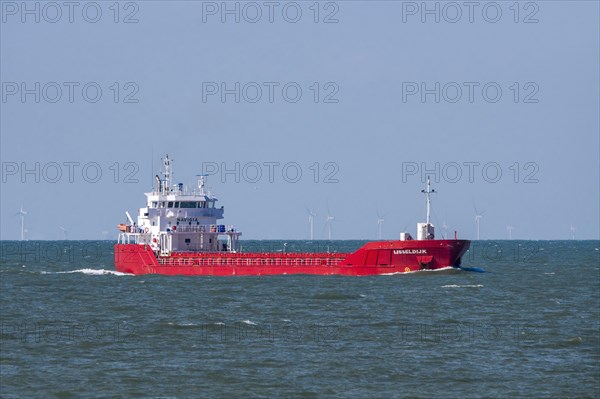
(168, 173)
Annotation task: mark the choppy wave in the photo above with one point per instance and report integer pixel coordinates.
(338, 296)
(442, 269)
(462, 286)
(91, 272)
(473, 269)
(182, 324)
(93, 323)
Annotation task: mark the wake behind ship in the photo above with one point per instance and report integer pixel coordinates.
(177, 233)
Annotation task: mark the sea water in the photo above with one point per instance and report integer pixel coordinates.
(519, 319)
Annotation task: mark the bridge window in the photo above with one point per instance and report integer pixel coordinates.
(170, 205)
(188, 204)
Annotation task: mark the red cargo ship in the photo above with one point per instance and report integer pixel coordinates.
(177, 234)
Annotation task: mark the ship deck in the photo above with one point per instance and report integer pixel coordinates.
(253, 259)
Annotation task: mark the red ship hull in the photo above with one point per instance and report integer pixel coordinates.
(380, 257)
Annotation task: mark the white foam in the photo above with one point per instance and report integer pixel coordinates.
(549, 274)
(92, 272)
(250, 323)
(462, 286)
(419, 271)
(438, 270)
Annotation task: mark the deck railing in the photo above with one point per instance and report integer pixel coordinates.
(253, 260)
(134, 238)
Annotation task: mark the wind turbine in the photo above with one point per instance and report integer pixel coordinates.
(104, 234)
(444, 228)
(478, 216)
(22, 213)
(311, 223)
(510, 229)
(65, 232)
(572, 231)
(328, 220)
(380, 220)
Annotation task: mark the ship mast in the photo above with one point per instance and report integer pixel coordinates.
(427, 193)
(168, 173)
(201, 184)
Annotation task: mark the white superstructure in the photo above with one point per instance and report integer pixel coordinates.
(177, 219)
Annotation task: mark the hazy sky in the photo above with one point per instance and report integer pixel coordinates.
(500, 102)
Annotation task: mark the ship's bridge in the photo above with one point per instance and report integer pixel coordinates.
(177, 218)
